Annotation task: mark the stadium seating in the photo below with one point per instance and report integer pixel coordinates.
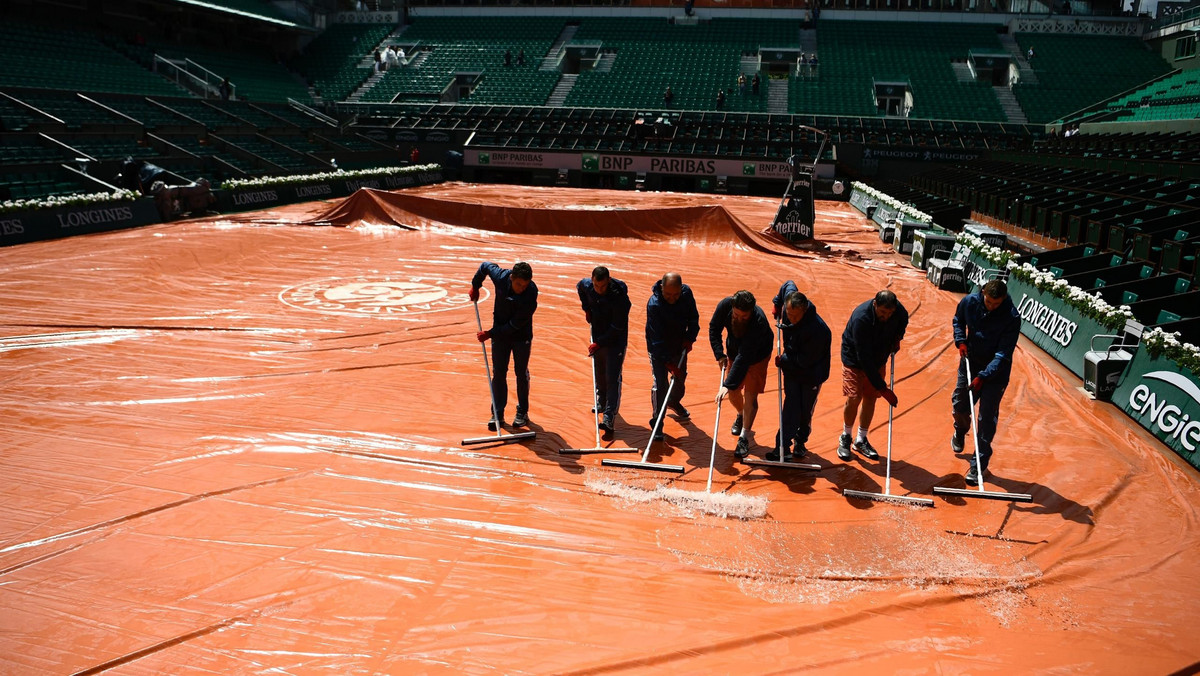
(695, 61)
(256, 77)
(56, 58)
(854, 54)
(475, 44)
(331, 61)
(1075, 71)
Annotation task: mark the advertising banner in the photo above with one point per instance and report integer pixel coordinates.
(248, 199)
(1062, 331)
(603, 162)
(1165, 399)
(31, 226)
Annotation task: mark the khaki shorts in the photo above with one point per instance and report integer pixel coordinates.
(756, 378)
(855, 383)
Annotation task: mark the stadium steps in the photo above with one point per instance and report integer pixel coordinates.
(962, 71)
(808, 41)
(564, 86)
(1011, 46)
(749, 65)
(1010, 105)
(777, 96)
(416, 61)
(605, 63)
(366, 86)
(550, 62)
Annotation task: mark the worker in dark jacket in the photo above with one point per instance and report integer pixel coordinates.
(672, 324)
(804, 363)
(872, 334)
(511, 334)
(605, 303)
(986, 328)
(751, 340)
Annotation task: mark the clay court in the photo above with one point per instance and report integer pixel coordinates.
(231, 445)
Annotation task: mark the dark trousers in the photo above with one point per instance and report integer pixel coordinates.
(662, 383)
(988, 400)
(799, 401)
(519, 352)
(608, 362)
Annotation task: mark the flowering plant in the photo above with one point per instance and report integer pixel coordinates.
(1159, 342)
(67, 200)
(1089, 304)
(998, 257)
(907, 209)
(270, 181)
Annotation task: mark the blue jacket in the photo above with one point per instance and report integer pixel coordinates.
(806, 348)
(755, 346)
(669, 326)
(866, 342)
(991, 337)
(610, 312)
(512, 315)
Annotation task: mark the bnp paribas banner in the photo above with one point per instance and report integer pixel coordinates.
(1062, 331)
(1164, 399)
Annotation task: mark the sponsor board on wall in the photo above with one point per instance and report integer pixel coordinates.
(1062, 331)
(604, 162)
(1165, 399)
(30, 226)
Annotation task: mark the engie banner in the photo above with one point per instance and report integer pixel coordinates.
(1062, 331)
(1165, 399)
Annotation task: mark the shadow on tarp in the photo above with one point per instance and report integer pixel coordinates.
(704, 224)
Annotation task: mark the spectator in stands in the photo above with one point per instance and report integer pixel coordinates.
(378, 62)
(688, 6)
(808, 18)
(741, 84)
(390, 57)
(754, 84)
(226, 90)
(400, 55)
(414, 157)
(508, 57)
(802, 68)
(521, 57)
(720, 99)
(668, 96)
(812, 65)
(1029, 54)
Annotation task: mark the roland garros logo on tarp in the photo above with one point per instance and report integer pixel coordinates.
(1162, 411)
(382, 297)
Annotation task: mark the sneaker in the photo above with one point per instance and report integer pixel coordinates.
(844, 447)
(736, 428)
(521, 420)
(742, 449)
(773, 456)
(607, 428)
(862, 446)
(956, 443)
(492, 425)
(659, 436)
(972, 477)
(681, 413)
(797, 453)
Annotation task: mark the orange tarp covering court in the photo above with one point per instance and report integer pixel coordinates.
(231, 445)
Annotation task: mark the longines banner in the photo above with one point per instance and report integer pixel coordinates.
(1165, 399)
(248, 199)
(30, 226)
(601, 162)
(1062, 331)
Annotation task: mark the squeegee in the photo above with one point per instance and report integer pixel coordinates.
(596, 410)
(886, 495)
(979, 492)
(806, 466)
(500, 436)
(643, 464)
